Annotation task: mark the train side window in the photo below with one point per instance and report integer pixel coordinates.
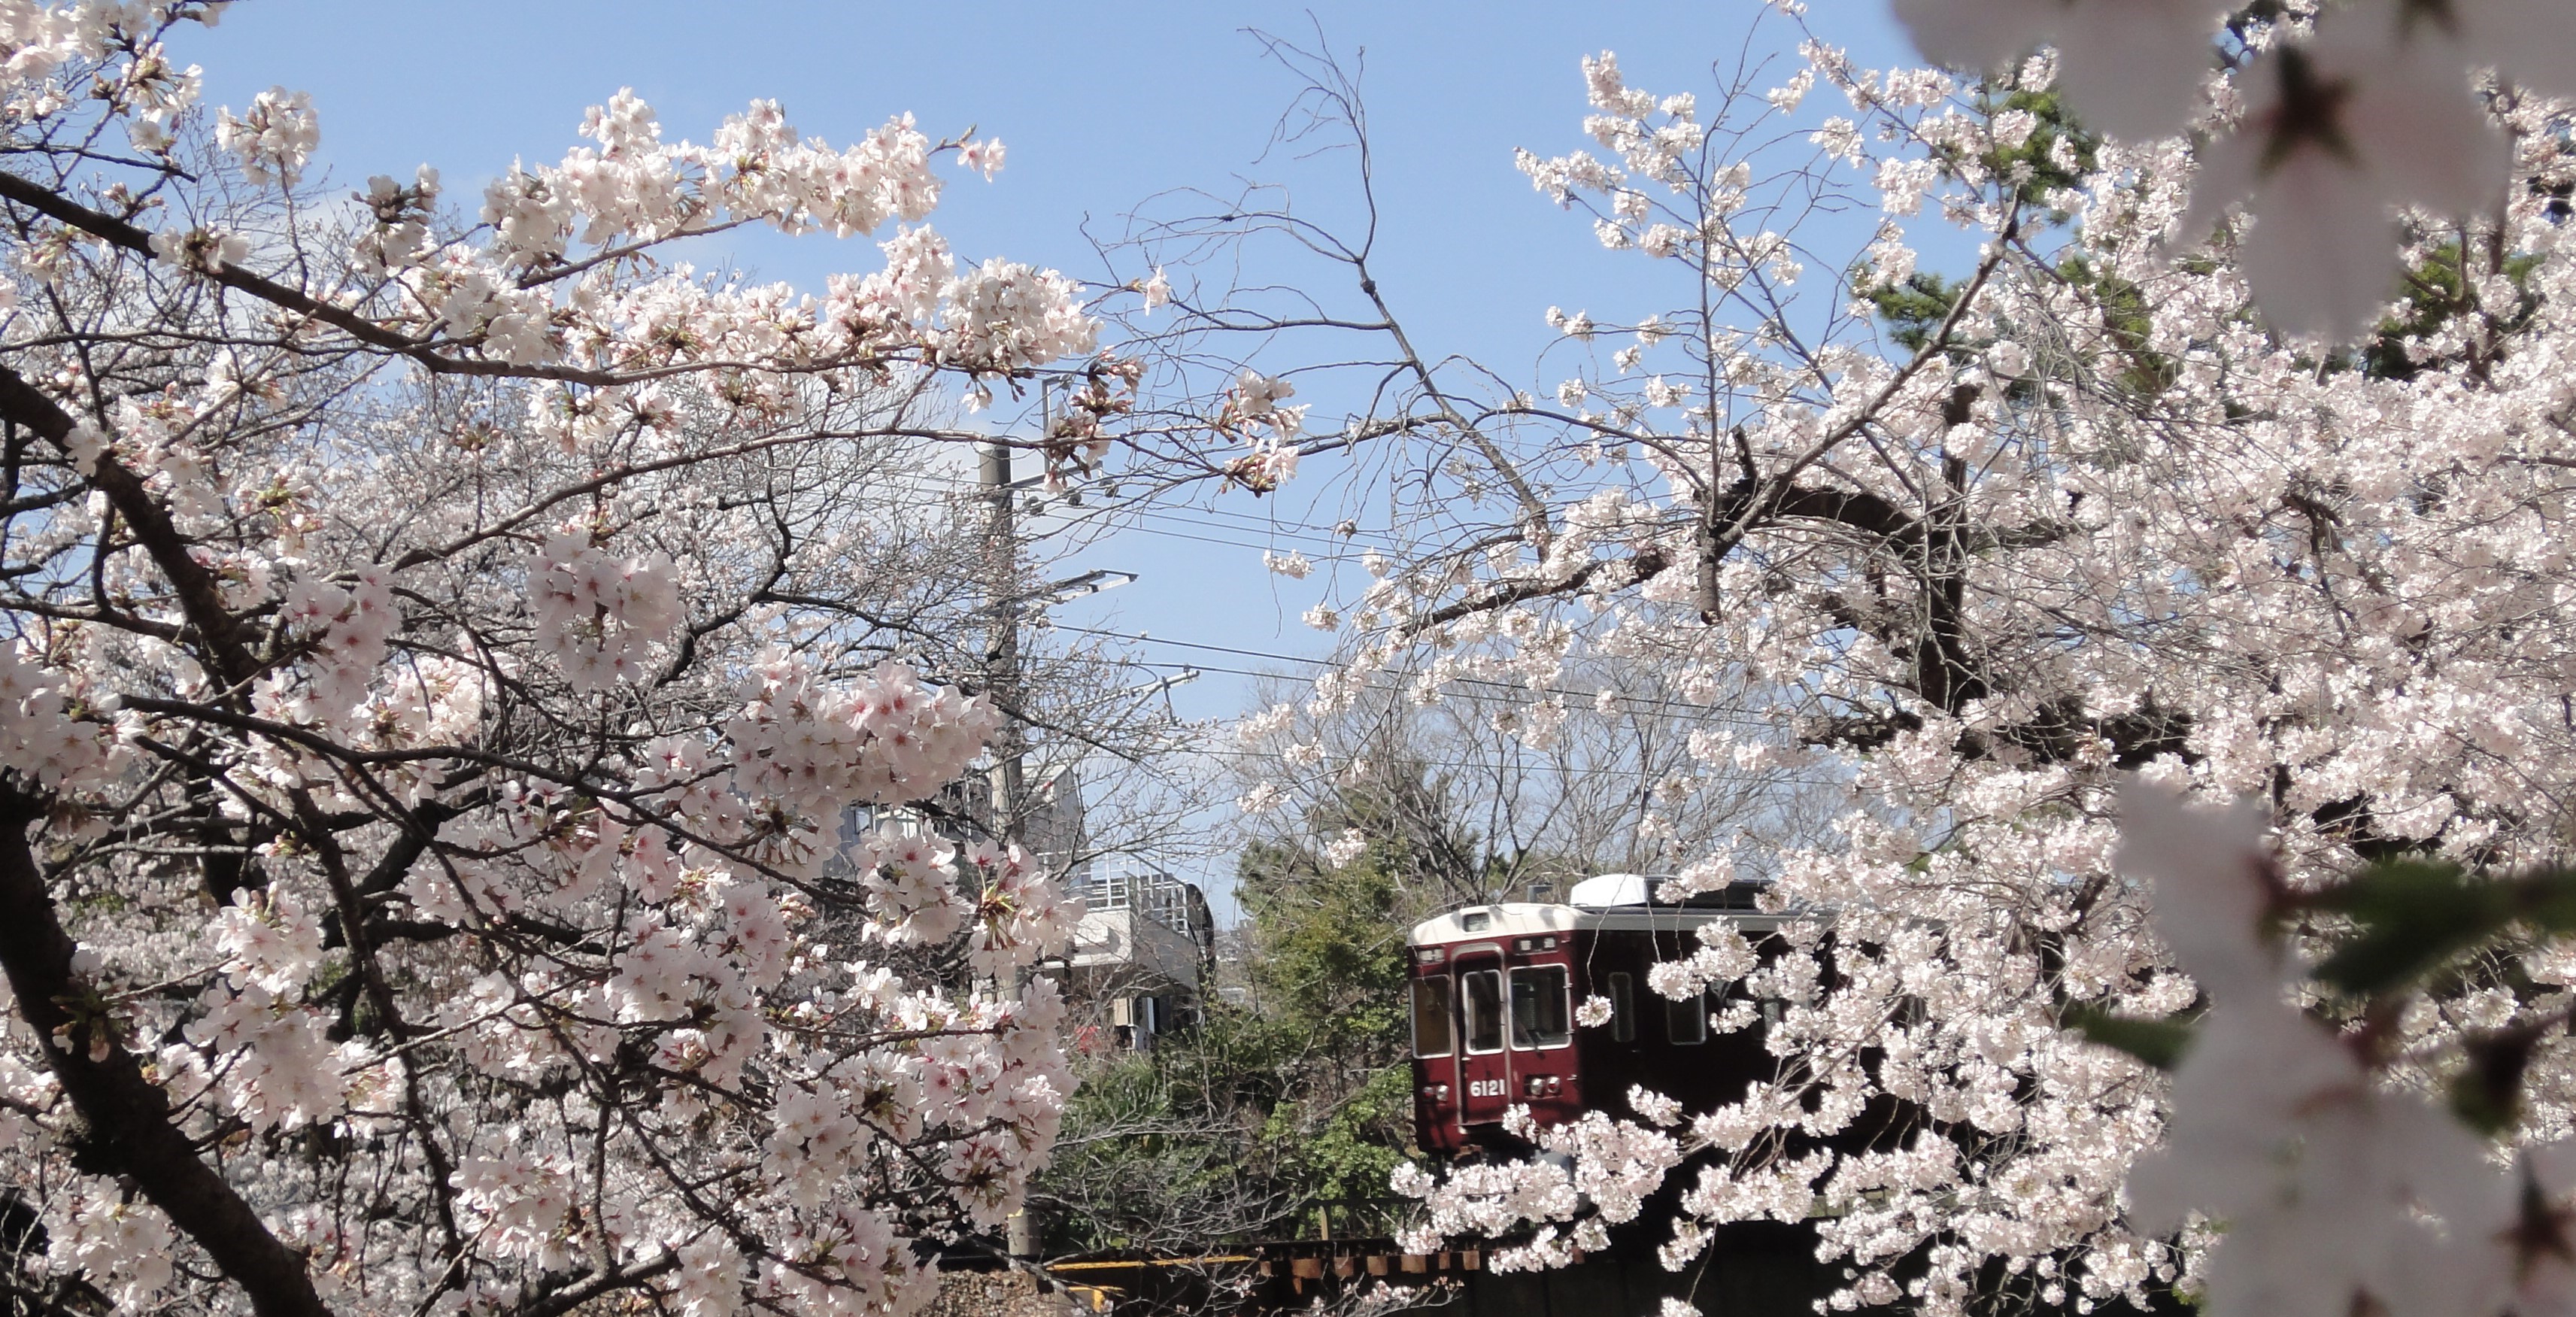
(1623, 1008)
(1431, 1015)
(1483, 990)
(1540, 1017)
(1686, 1021)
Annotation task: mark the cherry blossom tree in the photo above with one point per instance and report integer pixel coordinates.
(1961, 460)
(444, 639)
(1496, 787)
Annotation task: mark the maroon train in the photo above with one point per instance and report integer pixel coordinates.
(1494, 992)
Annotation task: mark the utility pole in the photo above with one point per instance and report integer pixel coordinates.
(1007, 598)
(1002, 648)
(1002, 686)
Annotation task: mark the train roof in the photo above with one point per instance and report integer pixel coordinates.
(1611, 902)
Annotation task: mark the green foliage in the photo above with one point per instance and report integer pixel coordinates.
(1348, 1154)
(2139, 368)
(1259, 1120)
(1327, 943)
(2032, 167)
(2413, 925)
(2438, 292)
(1914, 309)
(1193, 1142)
(2487, 1093)
(2414, 916)
(1241, 1128)
(2159, 1043)
(2416, 926)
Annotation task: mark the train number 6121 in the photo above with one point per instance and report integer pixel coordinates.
(1485, 1088)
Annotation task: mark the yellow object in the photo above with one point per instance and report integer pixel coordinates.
(1152, 1262)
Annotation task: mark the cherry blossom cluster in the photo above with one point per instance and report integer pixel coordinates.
(43, 740)
(1257, 410)
(274, 139)
(137, 81)
(127, 1242)
(600, 616)
(536, 281)
(506, 294)
(821, 745)
(349, 631)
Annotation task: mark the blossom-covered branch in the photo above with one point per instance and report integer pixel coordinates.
(454, 734)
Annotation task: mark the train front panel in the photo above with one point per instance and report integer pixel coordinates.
(1493, 997)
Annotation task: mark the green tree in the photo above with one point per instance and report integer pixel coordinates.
(1297, 1102)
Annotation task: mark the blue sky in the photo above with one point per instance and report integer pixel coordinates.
(1102, 106)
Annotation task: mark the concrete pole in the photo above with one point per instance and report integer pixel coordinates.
(1002, 649)
(1002, 681)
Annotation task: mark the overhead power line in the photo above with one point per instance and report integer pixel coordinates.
(1699, 711)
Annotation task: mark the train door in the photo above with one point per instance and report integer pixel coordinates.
(1435, 1061)
(1542, 1037)
(1484, 1065)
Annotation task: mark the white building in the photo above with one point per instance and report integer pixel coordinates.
(1140, 956)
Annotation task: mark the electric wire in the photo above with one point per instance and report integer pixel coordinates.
(1699, 712)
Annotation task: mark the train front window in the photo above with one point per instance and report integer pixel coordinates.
(1431, 1015)
(1483, 990)
(1623, 1008)
(1687, 1020)
(1540, 1017)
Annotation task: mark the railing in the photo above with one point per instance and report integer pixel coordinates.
(1157, 896)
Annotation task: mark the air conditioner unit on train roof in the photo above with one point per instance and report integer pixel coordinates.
(1613, 889)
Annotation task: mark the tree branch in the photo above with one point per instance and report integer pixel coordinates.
(127, 1118)
(46, 201)
(199, 599)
